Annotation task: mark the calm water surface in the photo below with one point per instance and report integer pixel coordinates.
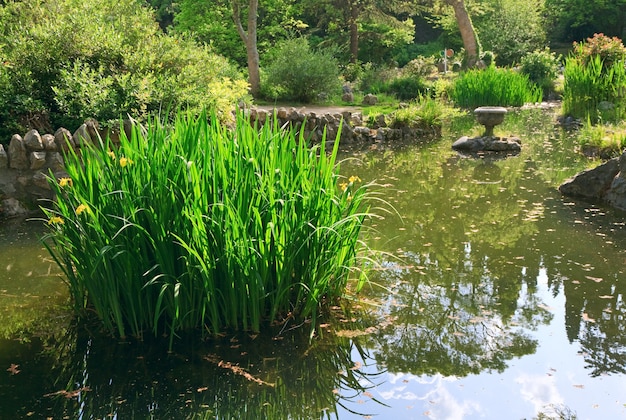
(496, 298)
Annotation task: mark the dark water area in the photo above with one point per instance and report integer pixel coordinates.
(494, 298)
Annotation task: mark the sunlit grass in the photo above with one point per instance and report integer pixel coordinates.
(609, 139)
(493, 87)
(200, 226)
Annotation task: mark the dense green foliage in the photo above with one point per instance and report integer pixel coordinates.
(66, 60)
(493, 87)
(541, 67)
(594, 91)
(574, 20)
(511, 28)
(197, 226)
(595, 80)
(211, 22)
(299, 73)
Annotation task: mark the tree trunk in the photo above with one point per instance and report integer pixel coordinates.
(467, 31)
(354, 31)
(249, 38)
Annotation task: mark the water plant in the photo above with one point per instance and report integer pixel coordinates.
(594, 90)
(494, 87)
(196, 225)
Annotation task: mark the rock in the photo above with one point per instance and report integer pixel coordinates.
(616, 196)
(48, 143)
(32, 141)
(592, 183)
(93, 128)
(370, 99)
(18, 158)
(55, 161)
(488, 144)
(81, 136)
(347, 97)
(37, 160)
(40, 180)
(281, 113)
(4, 158)
(63, 139)
(11, 207)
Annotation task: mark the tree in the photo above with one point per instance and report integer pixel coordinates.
(470, 41)
(346, 22)
(575, 20)
(249, 38)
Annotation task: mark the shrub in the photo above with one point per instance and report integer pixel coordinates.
(296, 72)
(541, 67)
(406, 88)
(106, 61)
(610, 50)
(493, 87)
(197, 226)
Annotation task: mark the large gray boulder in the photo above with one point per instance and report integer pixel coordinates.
(607, 182)
(592, 183)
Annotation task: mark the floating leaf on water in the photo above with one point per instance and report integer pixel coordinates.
(606, 297)
(587, 319)
(596, 279)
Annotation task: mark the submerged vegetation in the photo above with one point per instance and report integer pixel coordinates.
(200, 226)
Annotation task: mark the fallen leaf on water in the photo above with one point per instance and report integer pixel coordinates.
(606, 297)
(13, 369)
(596, 279)
(587, 319)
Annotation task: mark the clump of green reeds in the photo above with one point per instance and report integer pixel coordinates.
(593, 90)
(494, 87)
(199, 226)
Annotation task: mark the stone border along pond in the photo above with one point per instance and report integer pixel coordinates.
(25, 166)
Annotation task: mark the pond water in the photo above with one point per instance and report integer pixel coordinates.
(496, 298)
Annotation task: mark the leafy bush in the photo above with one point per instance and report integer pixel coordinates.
(594, 91)
(297, 72)
(541, 67)
(493, 87)
(405, 88)
(420, 67)
(102, 59)
(610, 50)
(197, 226)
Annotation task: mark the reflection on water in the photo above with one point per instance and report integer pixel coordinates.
(495, 298)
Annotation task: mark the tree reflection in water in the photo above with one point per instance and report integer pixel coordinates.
(475, 236)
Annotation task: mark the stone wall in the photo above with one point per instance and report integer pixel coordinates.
(29, 161)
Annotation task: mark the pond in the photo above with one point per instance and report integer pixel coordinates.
(495, 297)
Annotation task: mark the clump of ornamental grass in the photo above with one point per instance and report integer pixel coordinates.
(494, 87)
(197, 226)
(594, 90)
